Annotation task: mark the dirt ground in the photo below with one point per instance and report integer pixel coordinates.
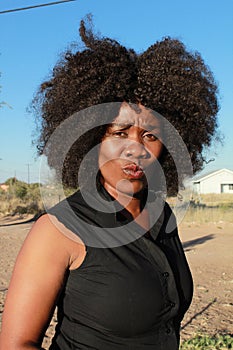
(209, 250)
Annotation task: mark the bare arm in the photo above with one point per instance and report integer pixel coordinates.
(37, 279)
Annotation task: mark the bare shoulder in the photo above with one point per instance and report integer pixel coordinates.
(53, 239)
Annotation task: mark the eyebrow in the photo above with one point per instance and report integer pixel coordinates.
(124, 126)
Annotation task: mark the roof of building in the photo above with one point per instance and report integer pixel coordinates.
(210, 173)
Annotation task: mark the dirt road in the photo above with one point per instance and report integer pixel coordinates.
(209, 250)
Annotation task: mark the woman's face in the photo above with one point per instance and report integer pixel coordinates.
(128, 150)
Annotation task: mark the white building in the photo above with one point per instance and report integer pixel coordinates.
(218, 181)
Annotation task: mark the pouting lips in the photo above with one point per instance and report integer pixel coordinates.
(133, 170)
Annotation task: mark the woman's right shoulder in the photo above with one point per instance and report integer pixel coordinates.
(50, 234)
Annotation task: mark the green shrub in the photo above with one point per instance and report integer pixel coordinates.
(21, 191)
(20, 210)
(205, 342)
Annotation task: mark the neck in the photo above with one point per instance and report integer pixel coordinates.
(131, 202)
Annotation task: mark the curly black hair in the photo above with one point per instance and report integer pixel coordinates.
(165, 78)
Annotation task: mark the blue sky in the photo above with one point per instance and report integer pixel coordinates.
(32, 40)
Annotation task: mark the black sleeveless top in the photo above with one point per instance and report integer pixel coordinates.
(130, 296)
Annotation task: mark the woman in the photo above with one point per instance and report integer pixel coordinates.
(129, 291)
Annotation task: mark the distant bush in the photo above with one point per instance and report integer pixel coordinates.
(21, 190)
(19, 210)
(21, 198)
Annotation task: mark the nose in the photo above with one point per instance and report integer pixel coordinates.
(135, 150)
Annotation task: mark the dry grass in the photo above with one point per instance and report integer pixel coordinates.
(210, 207)
(206, 214)
(214, 199)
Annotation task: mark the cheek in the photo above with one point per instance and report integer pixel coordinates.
(109, 162)
(109, 151)
(110, 170)
(156, 150)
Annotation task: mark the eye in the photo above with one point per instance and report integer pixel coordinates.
(119, 133)
(150, 137)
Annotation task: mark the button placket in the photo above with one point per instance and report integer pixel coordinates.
(169, 303)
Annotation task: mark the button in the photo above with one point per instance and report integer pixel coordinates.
(170, 304)
(168, 330)
(165, 274)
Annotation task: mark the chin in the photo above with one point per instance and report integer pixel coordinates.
(130, 187)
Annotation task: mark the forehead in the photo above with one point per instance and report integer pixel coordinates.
(140, 116)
